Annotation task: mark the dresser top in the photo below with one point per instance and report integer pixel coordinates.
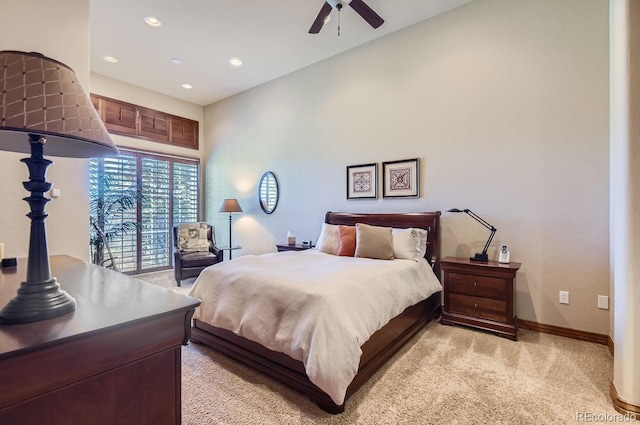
(104, 298)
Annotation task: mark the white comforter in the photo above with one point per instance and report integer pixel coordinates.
(315, 307)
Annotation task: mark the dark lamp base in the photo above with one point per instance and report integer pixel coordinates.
(39, 297)
(480, 257)
(37, 301)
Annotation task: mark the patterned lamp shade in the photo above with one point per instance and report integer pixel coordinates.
(42, 96)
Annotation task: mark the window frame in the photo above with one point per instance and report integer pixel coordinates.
(139, 155)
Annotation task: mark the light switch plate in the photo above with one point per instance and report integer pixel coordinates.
(564, 297)
(603, 302)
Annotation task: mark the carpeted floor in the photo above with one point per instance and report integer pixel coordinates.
(445, 375)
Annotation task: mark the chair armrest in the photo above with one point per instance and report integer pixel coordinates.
(218, 252)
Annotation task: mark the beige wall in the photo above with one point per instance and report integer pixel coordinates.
(506, 104)
(59, 30)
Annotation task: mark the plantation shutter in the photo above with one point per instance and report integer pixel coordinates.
(122, 170)
(185, 192)
(155, 219)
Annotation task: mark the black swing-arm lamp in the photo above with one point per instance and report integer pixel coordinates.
(483, 256)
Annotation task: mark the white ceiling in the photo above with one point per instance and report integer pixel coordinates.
(270, 36)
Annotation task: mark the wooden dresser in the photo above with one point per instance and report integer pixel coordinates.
(480, 294)
(115, 360)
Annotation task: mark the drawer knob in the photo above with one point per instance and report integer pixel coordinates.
(475, 305)
(475, 284)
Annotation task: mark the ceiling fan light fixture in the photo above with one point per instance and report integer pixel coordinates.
(336, 4)
(153, 21)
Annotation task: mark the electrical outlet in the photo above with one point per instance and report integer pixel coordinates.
(564, 297)
(603, 302)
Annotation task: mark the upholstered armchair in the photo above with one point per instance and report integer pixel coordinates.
(192, 252)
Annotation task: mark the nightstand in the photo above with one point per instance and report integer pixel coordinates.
(292, 247)
(480, 294)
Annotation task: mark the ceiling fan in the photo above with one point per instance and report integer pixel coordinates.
(358, 5)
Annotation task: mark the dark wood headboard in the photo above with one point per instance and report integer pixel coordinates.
(429, 221)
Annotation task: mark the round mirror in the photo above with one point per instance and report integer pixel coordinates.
(268, 192)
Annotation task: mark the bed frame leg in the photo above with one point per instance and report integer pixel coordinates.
(330, 407)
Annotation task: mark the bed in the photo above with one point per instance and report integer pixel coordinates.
(292, 368)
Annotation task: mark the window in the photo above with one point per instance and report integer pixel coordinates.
(136, 199)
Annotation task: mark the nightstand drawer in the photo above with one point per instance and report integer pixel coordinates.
(477, 286)
(478, 307)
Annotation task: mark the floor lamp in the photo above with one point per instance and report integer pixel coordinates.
(43, 106)
(230, 206)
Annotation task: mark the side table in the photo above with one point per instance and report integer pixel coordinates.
(230, 249)
(297, 247)
(480, 294)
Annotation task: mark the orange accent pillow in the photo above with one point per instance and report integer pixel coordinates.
(347, 236)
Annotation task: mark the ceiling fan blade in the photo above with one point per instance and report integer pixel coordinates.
(367, 13)
(319, 22)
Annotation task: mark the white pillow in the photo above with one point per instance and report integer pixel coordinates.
(405, 244)
(410, 244)
(328, 241)
(422, 236)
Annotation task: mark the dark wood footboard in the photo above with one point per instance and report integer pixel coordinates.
(375, 352)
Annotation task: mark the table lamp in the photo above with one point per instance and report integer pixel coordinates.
(479, 257)
(230, 206)
(42, 103)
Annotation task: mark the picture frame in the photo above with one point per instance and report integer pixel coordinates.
(362, 181)
(401, 179)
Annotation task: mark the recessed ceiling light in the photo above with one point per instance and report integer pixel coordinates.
(235, 62)
(110, 59)
(176, 61)
(187, 86)
(153, 21)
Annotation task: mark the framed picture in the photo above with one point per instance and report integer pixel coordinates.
(401, 178)
(362, 181)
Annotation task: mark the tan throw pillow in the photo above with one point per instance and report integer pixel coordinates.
(328, 240)
(347, 236)
(374, 242)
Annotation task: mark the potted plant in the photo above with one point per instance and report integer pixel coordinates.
(107, 207)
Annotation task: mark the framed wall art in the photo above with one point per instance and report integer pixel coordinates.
(401, 178)
(362, 181)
